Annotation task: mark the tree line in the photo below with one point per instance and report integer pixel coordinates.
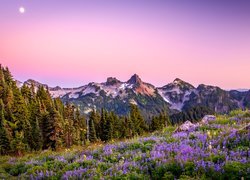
(31, 120)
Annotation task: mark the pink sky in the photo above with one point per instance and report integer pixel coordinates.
(71, 47)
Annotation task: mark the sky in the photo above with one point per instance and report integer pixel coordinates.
(73, 42)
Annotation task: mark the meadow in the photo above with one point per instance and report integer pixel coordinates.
(218, 149)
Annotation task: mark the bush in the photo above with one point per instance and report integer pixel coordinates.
(236, 170)
(189, 169)
(168, 176)
(146, 147)
(172, 167)
(134, 146)
(72, 166)
(218, 158)
(18, 169)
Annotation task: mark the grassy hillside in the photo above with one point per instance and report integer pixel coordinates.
(217, 150)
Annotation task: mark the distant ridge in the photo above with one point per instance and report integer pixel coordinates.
(176, 96)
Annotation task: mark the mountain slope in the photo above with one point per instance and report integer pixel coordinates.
(115, 95)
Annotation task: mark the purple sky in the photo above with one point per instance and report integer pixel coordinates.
(70, 43)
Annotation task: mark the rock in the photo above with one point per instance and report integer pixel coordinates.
(208, 118)
(187, 125)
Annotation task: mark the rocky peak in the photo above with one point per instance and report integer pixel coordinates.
(135, 79)
(112, 81)
(180, 84)
(29, 82)
(57, 88)
(203, 87)
(178, 81)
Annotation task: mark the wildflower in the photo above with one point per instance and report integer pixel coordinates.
(84, 157)
(208, 133)
(210, 145)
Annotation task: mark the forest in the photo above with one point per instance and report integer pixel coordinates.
(31, 120)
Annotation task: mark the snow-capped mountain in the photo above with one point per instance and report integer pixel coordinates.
(112, 87)
(176, 93)
(176, 96)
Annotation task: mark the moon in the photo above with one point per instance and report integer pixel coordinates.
(21, 9)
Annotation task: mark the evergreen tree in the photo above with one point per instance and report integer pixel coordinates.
(103, 126)
(110, 126)
(57, 135)
(82, 127)
(8, 77)
(128, 127)
(2, 83)
(97, 124)
(17, 144)
(52, 129)
(91, 128)
(36, 132)
(137, 119)
(21, 116)
(117, 126)
(77, 127)
(4, 140)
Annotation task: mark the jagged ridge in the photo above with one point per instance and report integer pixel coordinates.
(176, 96)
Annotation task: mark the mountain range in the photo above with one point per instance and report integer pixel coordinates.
(115, 95)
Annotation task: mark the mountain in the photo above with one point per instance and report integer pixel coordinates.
(114, 95)
(176, 93)
(177, 96)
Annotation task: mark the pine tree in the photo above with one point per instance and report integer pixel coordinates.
(69, 124)
(37, 141)
(21, 116)
(58, 131)
(45, 99)
(110, 126)
(154, 124)
(82, 127)
(36, 132)
(76, 126)
(8, 77)
(103, 126)
(117, 126)
(137, 119)
(91, 128)
(17, 144)
(97, 124)
(2, 83)
(128, 127)
(4, 140)
(52, 129)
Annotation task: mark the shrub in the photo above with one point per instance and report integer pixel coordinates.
(18, 169)
(189, 169)
(236, 170)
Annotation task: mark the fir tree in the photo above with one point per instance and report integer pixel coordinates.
(21, 115)
(91, 128)
(137, 119)
(4, 140)
(17, 144)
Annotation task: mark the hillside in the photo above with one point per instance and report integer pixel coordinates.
(217, 149)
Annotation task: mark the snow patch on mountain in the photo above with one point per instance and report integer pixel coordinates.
(19, 84)
(89, 90)
(132, 101)
(58, 93)
(177, 106)
(166, 98)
